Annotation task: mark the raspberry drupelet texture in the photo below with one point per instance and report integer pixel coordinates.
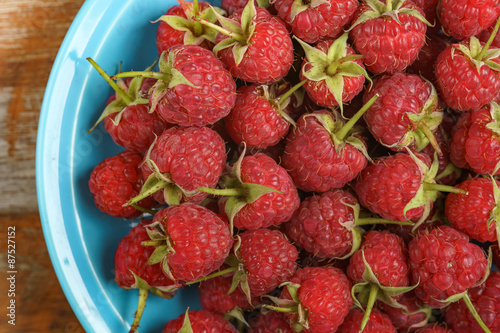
(318, 225)
(379, 322)
(269, 55)
(316, 22)
(270, 322)
(434, 328)
(463, 19)
(200, 240)
(190, 157)
(389, 45)
(444, 263)
(208, 98)
(472, 213)
(486, 300)
(268, 257)
(324, 294)
(386, 255)
(201, 321)
(272, 208)
(115, 181)
(131, 258)
(312, 160)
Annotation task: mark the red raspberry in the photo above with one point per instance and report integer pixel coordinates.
(435, 43)
(405, 112)
(320, 227)
(214, 296)
(257, 117)
(388, 185)
(268, 258)
(313, 22)
(177, 26)
(434, 328)
(270, 322)
(194, 241)
(132, 270)
(481, 141)
(272, 208)
(266, 57)
(474, 213)
(414, 315)
(379, 322)
(467, 18)
(210, 95)
(464, 79)
(312, 159)
(189, 157)
(201, 321)
(388, 44)
(324, 296)
(115, 181)
(385, 253)
(486, 300)
(444, 264)
(459, 135)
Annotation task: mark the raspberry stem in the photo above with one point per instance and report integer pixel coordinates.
(144, 210)
(289, 93)
(375, 220)
(342, 133)
(237, 37)
(213, 275)
(143, 296)
(369, 306)
(443, 188)
(229, 192)
(152, 75)
(292, 309)
(474, 313)
(489, 41)
(123, 95)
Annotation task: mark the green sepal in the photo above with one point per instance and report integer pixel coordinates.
(186, 324)
(486, 275)
(495, 212)
(451, 299)
(298, 6)
(158, 255)
(474, 53)
(391, 9)
(359, 289)
(116, 106)
(166, 292)
(357, 231)
(494, 124)
(139, 283)
(237, 314)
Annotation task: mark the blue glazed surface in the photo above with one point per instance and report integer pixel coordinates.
(81, 240)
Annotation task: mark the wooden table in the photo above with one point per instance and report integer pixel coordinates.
(31, 32)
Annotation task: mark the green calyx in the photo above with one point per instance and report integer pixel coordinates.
(156, 181)
(240, 193)
(162, 242)
(495, 212)
(391, 8)
(168, 77)
(367, 292)
(494, 124)
(425, 122)
(239, 32)
(127, 96)
(186, 324)
(293, 305)
(478, 55)
(332, 66)
(194, 32)
(280, 101)
(344, 133)
(428, 191)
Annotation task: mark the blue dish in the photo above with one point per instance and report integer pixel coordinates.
(81, 240)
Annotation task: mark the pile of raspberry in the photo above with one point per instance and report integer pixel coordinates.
(312, 166)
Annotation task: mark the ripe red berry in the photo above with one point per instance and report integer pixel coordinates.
(116, 180)
(270, 322)
(190, 240)
(412, 315)
(379, 322)
(467, 18)
(389, 38)
(475, 213)
(444, 263)
(313, 22)
(259, 51)
(181, 160)
(486, 300)
(201, 321)
(323, 296)
(434, 328)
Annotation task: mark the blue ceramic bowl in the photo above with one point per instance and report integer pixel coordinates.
(82, 240)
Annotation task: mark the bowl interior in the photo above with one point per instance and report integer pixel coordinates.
(82, 240)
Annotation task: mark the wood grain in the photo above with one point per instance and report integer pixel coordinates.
(30, 35)
(31, 32)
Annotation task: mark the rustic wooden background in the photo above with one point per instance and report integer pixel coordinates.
(31, 32)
